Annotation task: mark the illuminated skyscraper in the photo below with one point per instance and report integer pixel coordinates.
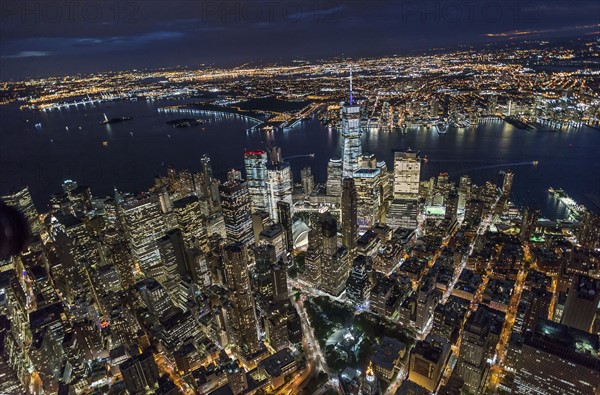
(428, 360)
(276, 236)
(404, 208)
(265, 257)
(334, 177)
(464, 191)
(308, 180)
(558, 360)
(119, 254)
(581, 308)
(190, 221)
(234, 175)
(284, 213)
(327, 227)
(528, 224)
(279, 184)
(143, 223)
(255, 163)
(589, 231)
(386, 181)
(243, 320)
(351, 134)
(313, 258)
(172, 252)
(206, 167)
(139, 372)
(507, 183)
(9, 375)
(77, 251)
(336, 268)
(235, 204)
(206, 186)
(369, 197)
(349, 215)
(357, 285)
(23, 202)
(472, 364)
(324, 252)
(451, 203)
(236, 378)
(407, 174)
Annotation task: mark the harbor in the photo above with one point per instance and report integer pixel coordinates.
(575, 210)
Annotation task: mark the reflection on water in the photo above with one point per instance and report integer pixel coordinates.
(139, 149)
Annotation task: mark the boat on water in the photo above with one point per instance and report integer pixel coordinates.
(441, 127)
(107, 121)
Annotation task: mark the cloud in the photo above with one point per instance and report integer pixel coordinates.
(31, 47)
(26, 54)
(516, 33)
(133, 40)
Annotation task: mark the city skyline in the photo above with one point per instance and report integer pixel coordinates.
(139, 35)
(372, 221)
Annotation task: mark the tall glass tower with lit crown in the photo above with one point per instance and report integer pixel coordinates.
(351, 133)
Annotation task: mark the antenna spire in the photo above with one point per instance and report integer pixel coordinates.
(351, 98)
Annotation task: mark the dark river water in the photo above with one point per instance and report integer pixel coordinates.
(138, 150)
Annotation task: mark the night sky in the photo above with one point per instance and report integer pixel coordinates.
(47, 37)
